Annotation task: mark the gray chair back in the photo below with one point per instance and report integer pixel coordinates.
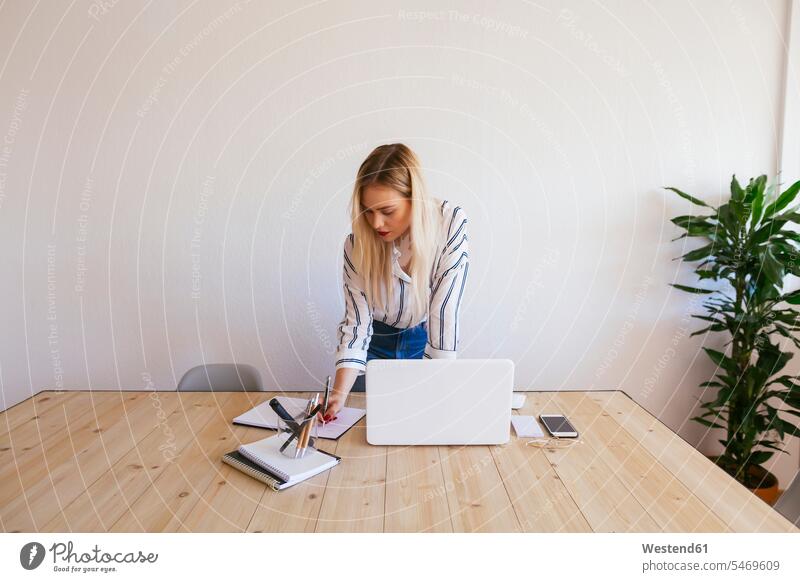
(221, 378)
(788, 504)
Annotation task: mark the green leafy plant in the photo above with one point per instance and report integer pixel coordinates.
(750, 247)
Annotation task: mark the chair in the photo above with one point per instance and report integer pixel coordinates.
(788, 504)
(221, 378)
(360, 385)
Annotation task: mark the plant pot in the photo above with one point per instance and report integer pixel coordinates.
(767, 490)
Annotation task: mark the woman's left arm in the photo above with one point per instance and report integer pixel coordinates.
(448, 289)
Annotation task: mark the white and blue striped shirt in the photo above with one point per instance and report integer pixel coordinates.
(448, 276)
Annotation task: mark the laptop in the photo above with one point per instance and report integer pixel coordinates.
(439, 401)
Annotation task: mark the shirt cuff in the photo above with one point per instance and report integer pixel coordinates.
(352, 358)
(432, 353)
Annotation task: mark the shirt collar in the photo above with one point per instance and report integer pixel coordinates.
(397, 251)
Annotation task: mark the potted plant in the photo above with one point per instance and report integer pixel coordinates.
(750, 249)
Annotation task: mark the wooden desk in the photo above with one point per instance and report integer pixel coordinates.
(144, 461)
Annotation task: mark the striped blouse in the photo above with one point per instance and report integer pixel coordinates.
(448, 276)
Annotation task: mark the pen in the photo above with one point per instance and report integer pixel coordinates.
(305, 433)
(314, 408)
(301, 436)
(327, 393)
(302, 432)
(281, 411)
(298, 428)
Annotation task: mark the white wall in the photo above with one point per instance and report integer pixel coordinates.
(175, 183)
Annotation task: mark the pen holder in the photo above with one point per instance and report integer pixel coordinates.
(308, 431)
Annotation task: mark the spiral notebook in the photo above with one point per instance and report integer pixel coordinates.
(263, 460)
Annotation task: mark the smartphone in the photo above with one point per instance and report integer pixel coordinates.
(558, 425)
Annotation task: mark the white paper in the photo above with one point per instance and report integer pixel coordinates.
(526, 426)
(517, 400)
(264, 417)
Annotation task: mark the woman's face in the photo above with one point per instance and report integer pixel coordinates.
(387, 211)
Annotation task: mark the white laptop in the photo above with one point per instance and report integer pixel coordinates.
(439, 401)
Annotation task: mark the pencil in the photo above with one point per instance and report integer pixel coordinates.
(305, 434)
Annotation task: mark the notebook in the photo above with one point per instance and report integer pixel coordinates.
(526, 426)
(262, 460)
(262, 416)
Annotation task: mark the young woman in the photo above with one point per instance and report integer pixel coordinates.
(405, 266)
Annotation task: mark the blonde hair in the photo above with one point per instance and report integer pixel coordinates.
(397, 167)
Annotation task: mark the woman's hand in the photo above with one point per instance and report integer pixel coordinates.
(336, 401)
(345, 378)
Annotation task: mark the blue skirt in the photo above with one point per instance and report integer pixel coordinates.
(393, 343)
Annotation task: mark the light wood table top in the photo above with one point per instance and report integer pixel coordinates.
(150, 461)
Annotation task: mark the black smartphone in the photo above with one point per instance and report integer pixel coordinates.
(558, 425)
